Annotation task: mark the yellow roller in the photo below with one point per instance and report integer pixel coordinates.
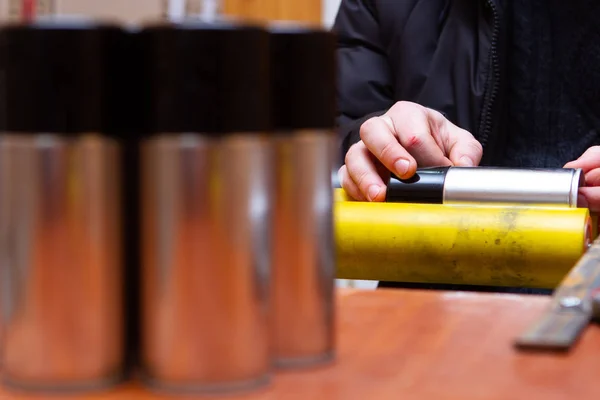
(498, 246)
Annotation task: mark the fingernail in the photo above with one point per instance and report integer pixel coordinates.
(466, 161)
(582, 201)
(373, 192)
(401, 167)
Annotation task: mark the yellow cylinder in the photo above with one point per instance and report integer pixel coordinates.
(472, 245)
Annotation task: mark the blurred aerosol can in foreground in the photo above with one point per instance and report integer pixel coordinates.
(59, 194)
(206, 197)
(303, 269)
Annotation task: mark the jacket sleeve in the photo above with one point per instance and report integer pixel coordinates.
(364, 86)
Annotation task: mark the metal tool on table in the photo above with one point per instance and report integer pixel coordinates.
(575, 302)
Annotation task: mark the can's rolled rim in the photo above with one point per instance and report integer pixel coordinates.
(577, 182)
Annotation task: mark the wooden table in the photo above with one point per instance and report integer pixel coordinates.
(402, 344)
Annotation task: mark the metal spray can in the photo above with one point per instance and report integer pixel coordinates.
(206, 198)
(533, 187)
(59, 189)
(303, 270)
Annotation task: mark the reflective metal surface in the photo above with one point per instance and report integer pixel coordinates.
(547, 187)
(303, 274)
(4, 240)
(60, 261)
(205, 261)
(335, 179)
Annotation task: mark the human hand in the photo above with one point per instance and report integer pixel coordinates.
(589, 162)
(406, 136)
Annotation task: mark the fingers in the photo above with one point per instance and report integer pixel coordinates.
(589, 160)
(406, 136)
(379, 138)
(582, 201)
(363, 174)
(460, 146)
(591, 198)
(349, 186)
(592, 178)
(412, 126)
(463, 149)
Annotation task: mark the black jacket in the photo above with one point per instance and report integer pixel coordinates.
(442, 54)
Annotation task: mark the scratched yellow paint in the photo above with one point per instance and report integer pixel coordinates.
(500, 246)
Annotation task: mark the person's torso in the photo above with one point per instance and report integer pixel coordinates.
(456, 56)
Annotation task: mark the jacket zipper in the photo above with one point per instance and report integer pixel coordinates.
(487, 123)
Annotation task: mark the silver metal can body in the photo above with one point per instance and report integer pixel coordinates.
(205, 261)
(541, 187)
(61, 264)
(303, 272)
(4, 242)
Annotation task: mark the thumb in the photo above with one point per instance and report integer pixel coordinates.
(463, 149)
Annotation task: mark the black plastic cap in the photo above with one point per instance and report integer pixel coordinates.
(304, 77)
(55, 76)
(426, 186)
(206, 77)
(125, 112)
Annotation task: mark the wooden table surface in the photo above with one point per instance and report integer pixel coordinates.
(401, 344)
